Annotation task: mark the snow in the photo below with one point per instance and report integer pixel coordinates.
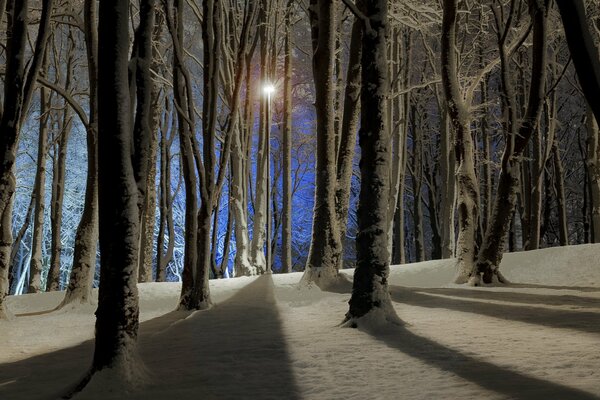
(270, 338)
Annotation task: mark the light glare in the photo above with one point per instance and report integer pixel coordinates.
(268, 88)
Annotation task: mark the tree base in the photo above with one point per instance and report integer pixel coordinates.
(379, 318)
(127, 375)
(326, 280)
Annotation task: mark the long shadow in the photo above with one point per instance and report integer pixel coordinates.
(537, 286)
(489, 376)
(584, 321)
(515, 297)
(235, 350)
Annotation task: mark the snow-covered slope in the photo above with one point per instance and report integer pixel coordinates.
(267, 338)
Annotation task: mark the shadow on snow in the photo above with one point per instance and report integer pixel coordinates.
(234, 350)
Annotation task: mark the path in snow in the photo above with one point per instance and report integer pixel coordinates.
(234, 349)
(231, 350)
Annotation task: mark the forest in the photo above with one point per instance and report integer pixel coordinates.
(236, 149)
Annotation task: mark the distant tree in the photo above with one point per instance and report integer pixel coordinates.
(36, 265)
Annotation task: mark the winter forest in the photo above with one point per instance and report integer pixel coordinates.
(201, 199)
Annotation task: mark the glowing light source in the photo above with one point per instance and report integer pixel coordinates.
(268, 89)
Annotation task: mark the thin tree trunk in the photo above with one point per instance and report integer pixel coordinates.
(349, 129)
(58, 179)
(593, 163)
(286, 250)
(559, 176)
(144, 136)
(36, 265)
(81, 279)
(166, 225)
(417, 182)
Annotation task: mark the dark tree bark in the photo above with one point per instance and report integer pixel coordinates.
(117, 314)
(325, 245)
(583, 50)
(370, 288)
(18, 88)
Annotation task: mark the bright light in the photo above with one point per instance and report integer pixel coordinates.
(268, 89)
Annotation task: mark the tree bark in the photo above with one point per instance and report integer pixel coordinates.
(466, 180)
(559, 178)
(144, 136)
(286, 246)
(323, 256)
(36, 265)
(593, 163)
(18, 88)
(586, 57)
(117, 314)
(81, 279)
(58, 178)
(370, 293)
(490, 254)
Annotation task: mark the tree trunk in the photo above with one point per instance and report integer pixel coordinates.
(593, 163)
(417, 183)
(261, 201)
(81, 279)
(370, 293)
(117, 313)
(559, 177)
(166, 225)
(466, 180)
(349, 129)
(36, 265)
(186, 128)
(586, 57)
(19, 89)
(286, 250)
(144, 136)
(58, 178)
(493, 246)
(324, 253)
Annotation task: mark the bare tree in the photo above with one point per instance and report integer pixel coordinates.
(370, 293)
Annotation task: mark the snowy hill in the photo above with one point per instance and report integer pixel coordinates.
(269, 339)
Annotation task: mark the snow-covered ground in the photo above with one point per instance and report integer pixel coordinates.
(267, 338)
